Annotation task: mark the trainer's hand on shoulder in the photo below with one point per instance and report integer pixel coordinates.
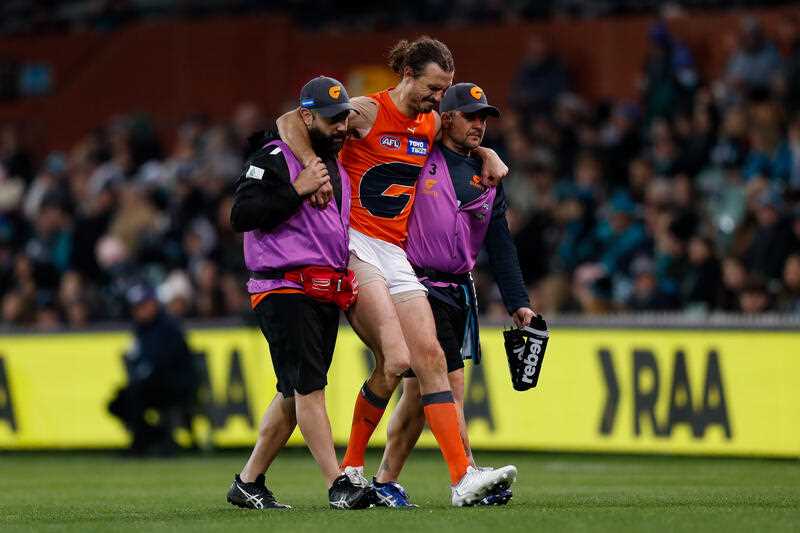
(523, 316)
(314, 176)
(322, 196)
(494, 170)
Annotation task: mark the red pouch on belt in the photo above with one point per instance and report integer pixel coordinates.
(327, 284)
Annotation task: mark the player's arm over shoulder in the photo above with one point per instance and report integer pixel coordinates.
(365, 112)
(264, 196)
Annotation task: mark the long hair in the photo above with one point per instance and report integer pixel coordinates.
(418, 53)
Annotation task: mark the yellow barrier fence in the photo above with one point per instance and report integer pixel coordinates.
(643, 391)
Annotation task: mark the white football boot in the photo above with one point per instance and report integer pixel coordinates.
(476, 484)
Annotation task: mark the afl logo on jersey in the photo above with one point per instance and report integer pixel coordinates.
(389, 142)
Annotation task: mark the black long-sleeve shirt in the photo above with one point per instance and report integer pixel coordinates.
(265, 197)
(499, 244)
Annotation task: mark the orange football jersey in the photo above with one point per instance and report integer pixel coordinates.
(383, 169)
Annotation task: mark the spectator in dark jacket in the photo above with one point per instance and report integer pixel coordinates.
(702, 283)
(772, 241)
(669, 73)
(540, 80)
(161, 374)
(647, 294)
(756, 63)
(789, 296)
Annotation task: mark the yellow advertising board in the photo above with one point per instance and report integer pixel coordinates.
(716, 392)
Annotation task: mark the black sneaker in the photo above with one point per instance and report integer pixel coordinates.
(253, 495)
(345, 494)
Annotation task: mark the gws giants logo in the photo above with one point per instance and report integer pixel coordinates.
(389, 142)
(476, 92)
(335, 91)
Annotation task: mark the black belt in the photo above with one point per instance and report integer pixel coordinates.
(444, 277)
(267, 274)
(274, 273)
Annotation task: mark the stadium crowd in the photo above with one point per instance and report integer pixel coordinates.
(35, 17)
(688, 199)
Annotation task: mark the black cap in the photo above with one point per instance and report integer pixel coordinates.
(326, 96)
(140, 293)
(467, 98)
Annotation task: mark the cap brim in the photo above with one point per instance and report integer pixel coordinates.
(478, 106)
(332, 110)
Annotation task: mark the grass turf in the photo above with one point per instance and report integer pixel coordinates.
(101, 492)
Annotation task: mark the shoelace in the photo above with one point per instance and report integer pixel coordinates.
(356, 478)
(475, 474)
(398, 488)
(401, 489)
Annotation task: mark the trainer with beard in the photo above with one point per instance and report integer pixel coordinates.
(297, 257)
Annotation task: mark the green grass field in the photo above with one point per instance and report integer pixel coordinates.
(101, 492)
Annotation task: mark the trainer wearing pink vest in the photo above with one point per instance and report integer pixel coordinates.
(297, 257)
(453, 218)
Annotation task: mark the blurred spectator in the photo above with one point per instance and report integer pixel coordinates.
(793, 66)
(236, 302)
(51, 244)
(671, 261)
(734, 278)
(579, 243)
(789, 295)
(754, 298)
(621, 236)
(621, 139)
(640, 176)
(669, 74)
(209, 297)
(161, 375)
(793, 148)
(756, 63)
(73, 300)
(16, 161)
(697, 137)
(541, 78)
(247, 119)
(176, 294)
(615, 205)
(770, 158)
(595, 295)
(773, 240)
(532, 217)
(701, 287)
(647, 294)
(663, 151)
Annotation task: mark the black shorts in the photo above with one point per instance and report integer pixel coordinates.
(301, 333)
(451, 318)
